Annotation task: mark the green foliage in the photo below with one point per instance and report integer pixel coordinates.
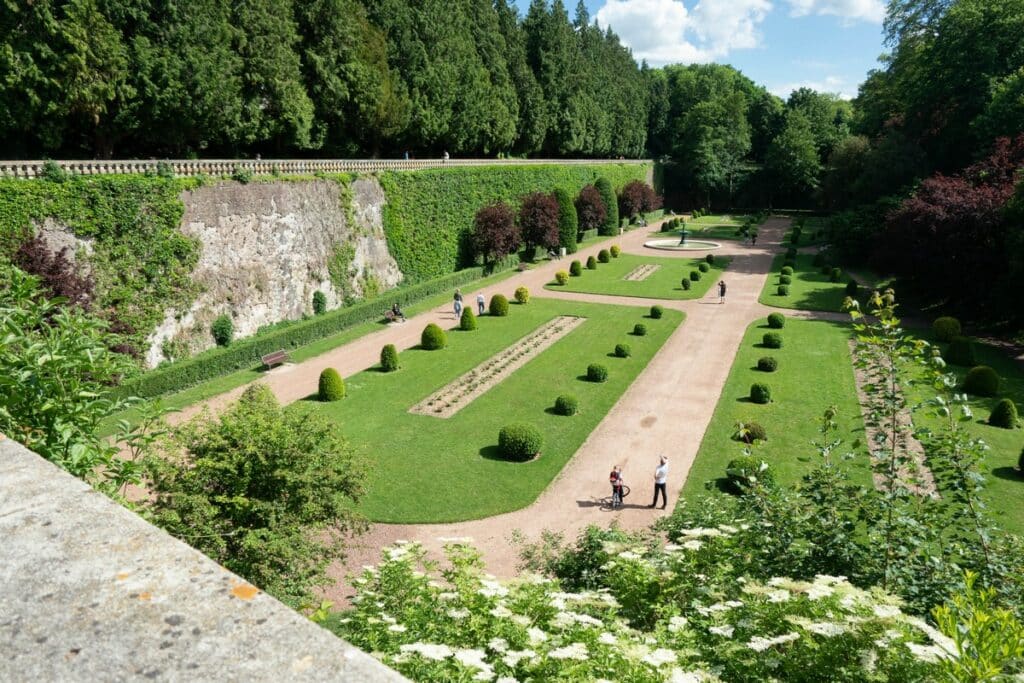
(960, 351)
(785, 279)
(331, 387)
(767, 364)
(787, 270)
(615, 250)
(467, 322)
(771, 340)
(710, 259)
(498, 306)
(611, 204)
(389, 358)
(639, 330)
(319, 303)
(852, 288)
(835, 275)
(520, 441)
(703, 267)
(603, 256)
(597, 373)
(53, 172)
(223, 330)
(623, 351)
(591, 263)
(695, 276)
(567, 405)
(656, 312)
(981, 380)
(1004, 414)
(242, 175)
(522, 295)
(568, 222)
(749, 432)
(263, 491)
(562, 277)
(776, 321)
(782, 290)
(433, 338)
(576, 269)
(946, 328)
(685, 283)
(760, 393)
(748, 471)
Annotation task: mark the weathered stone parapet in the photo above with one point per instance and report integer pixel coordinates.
(89, 591)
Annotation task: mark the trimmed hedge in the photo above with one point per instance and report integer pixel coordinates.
(623, 351)
(575, 269)
(685, 284)
(522, 295)
(591, 263)
(562, 277)
(981, 381)
(787, 270)
(710, 259)
(467, 323)
(639, 330)
(760, 393)
(785, 279)
(960, 352)
(695, 275)
(567, 405)
(776, 321)
(389, 358)
(657, 312)
(783, 290)
(615, 251)
(703, 267)
(835, 275)
(946, 328)
(771, 340)
(767, 364)
(520, 441)
(331, 386)
(597, 373)
(433, 338)
(603, 256)
(498, 306)
(1004, 415)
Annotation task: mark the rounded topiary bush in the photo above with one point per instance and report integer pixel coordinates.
(331, 386)
(1004, 415)
(597, 372)
(615, 251)
(639, 330)
(852, 288)
(703, 267)
(695, 275)
(747, 471)
(467, 322)
(760, 393)
(783, 290)
(767, 364)
(835, 275)
(945, 328)
(787, 270)
(319, 303)
(776, 321)
(389, 358)
(519, 441)
(522, 295)
(960, 352)
(567, 405)
(685, 284)
(433, 338)
(576, 269)
(562, 277)
(710, 259)
(223, 330)
(623, 351)
(591, 263)
(981, 381)
(749, 432)
(603, 256)
(499, 305)
(771, 340)
(657, 312)
(785, 279)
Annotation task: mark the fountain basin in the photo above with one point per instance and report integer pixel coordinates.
(674, 245)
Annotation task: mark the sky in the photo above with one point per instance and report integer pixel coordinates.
(828, 45)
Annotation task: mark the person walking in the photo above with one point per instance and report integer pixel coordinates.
(457, 302)
(721, 291)
(480, 303)
(660, 478)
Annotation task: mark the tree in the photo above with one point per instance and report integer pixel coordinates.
(264, 491)
(793, 156)
(495, 233)
(716, 140)
(590, 209)
(538, 220)
(637, 197)
(611, 207)
(568, 222)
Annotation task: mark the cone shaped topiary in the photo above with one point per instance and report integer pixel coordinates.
(591, 263)
(331, 386)
(433, 338)
(389, 358)
(499, 305)
(575, 269)
(946, 328)
(1004, 415)
(981, 381)
(467, 322)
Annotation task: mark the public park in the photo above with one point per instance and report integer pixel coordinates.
(485, 342)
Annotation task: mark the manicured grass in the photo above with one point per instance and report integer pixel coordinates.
(663, 283)
(722, 219)
(814, 373)
(427, 469)
(703, 232)
(810, 290)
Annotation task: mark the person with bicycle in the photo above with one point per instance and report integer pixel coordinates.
(615, 478)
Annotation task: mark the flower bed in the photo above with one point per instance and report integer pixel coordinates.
(641, 272)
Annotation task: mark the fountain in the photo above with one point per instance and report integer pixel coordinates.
(684, 243)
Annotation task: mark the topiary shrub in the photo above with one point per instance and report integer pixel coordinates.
(603, 256)
(623, 351)
(575, 269)
(747, 471)
(639, 330)
(703, 267)
(791, 253)
(522, 295)
(835, 275)
(686, 284)
(519, 441)
(852, 288)
(776, 321)
(597, 373)
(749, 432)
(567, 405)
(760, 393)
(771, 340)
(223, 330)
(331, 386)
(389, 358)
(562, 278)
(787, 270)
(695, 275)
(319, 303)
(783, 290)
(981, 381)
(591, 263)
(709, 259)
(1004, 415)
(785, 279)
(960, 352)
(657, 312)
(433, 337)
(467, 323)
(767, 364)
(498, 306)
(615, 251)
(945, 328)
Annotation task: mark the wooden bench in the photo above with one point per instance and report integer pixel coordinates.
(390, 317)
(275, 358)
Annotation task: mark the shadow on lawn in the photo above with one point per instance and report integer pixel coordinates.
(1009, 473)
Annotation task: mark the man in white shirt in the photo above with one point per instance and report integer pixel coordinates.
(660, 477)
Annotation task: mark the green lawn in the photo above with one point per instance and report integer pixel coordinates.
(663, 283)
(721, 219)
(814, 372)
(427, 469)
(809, 290)
(703, 232)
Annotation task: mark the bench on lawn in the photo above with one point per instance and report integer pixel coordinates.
(390, 316)
(275, 358)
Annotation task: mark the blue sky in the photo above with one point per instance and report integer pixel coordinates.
(828, 45)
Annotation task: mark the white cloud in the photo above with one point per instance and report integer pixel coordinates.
(831, 84)
(849, 10)
(665, 31)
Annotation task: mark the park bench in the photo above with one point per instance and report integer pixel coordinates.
(275, 358)
(390, 317)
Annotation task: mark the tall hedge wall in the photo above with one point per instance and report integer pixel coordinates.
(429, 213)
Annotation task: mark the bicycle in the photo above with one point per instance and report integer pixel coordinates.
(614, 501)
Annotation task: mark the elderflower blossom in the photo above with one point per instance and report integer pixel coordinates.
(940, 639)
(501, 612)
(886, 611)
(629, 555)
(817, 592)
(725, 631)
(607, 639)
(397, 628)
(926, 653)
(760, 644)
(498, 644)
(660, 657)
(693, 544)
(491, 589)
(781, 595)
(458, 613)
(727, 528)
(826, 628)
(512, 657)
(506, 679)
(676, 624)
(672, 547)
(536, 635)
(680, 676)
(698, 532)
(397, 553)
(573, 651)
(428, 650)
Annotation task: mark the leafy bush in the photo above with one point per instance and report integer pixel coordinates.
(331, 386)
(603, 256)
(703, 267)
(695, 275)
(783, 290)
(319, 303)
(710, 259)
(467, 322)
(760, 393)
(1004, 415)
(53, 172)
(522, 295)
(498, 306)
(657, 312)
(611, 207)
(749, 432)
(776, 321)
(785, 279)
(590, 209)
(495, 233)
(748, 471)
(576, 269)
(767, 364)
(568, 221)
(787, 270)
(242, 175)
(433, 337)
(639, 330)
(623, 351)
(538, 220)
(597, 373)
(946, 328)
(567, 405)
(981, 381)
(389, 358)
(686, 284)
(591, 263)
(562, 277)
(835, 275)
(223, 330)
(615, 250)
(520, 441)
(771, 340)
(960, 352)
(637, 198)
(852, 288)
